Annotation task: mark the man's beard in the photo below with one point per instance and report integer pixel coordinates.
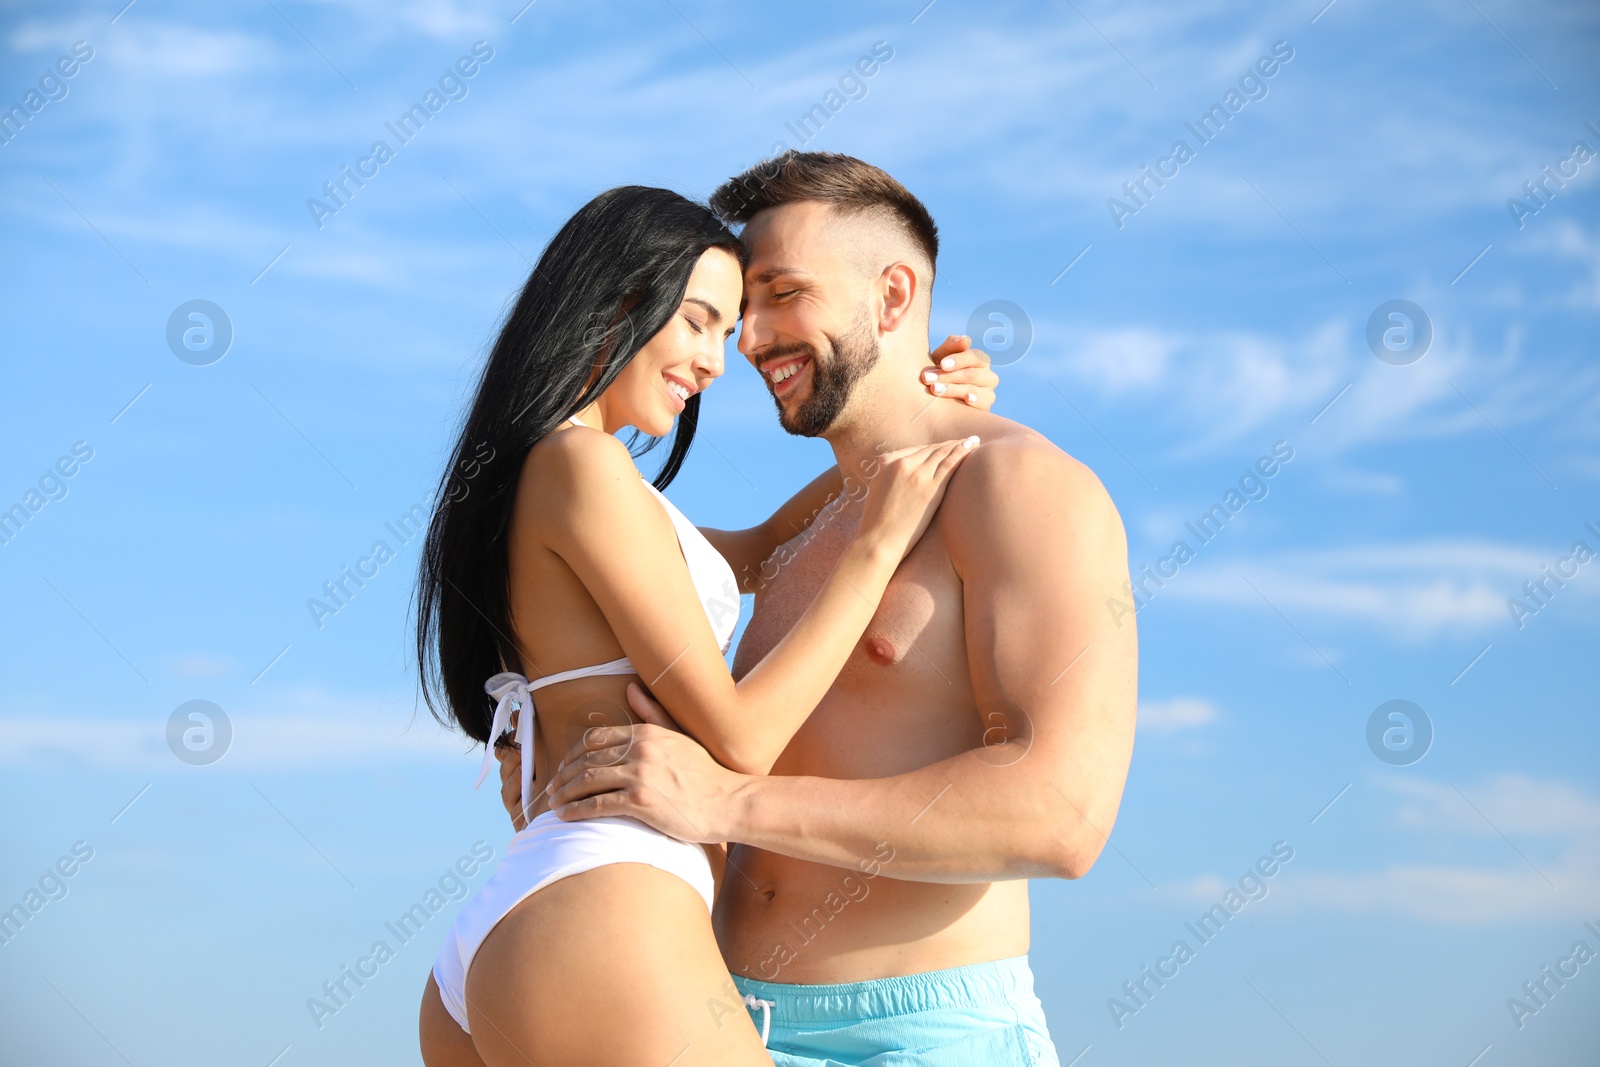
(832, 380)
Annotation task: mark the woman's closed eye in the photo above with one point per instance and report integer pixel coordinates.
(693, 325)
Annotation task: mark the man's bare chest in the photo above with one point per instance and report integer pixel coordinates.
(904, 696)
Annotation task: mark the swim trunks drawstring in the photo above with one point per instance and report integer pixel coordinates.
(766, 1006)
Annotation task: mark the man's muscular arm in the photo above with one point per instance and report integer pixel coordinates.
(1040, 549)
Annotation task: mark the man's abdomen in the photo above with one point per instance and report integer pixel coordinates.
(805, 922)
(903, 701)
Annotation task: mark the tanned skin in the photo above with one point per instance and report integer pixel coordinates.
(979, 734)
(596, 572)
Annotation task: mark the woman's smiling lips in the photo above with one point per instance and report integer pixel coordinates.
(678, 390)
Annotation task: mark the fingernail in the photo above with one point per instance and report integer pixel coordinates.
(971, 442)
(939, 389)
(972, 398)
(948, 363)
(928, 376)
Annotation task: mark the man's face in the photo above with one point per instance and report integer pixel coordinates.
(806, 325)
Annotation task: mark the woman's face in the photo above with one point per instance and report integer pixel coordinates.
(686, 354)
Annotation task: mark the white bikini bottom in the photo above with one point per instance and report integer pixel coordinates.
(545, 852)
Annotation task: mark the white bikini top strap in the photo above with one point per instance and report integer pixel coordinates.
(512, 692)
(616, 666)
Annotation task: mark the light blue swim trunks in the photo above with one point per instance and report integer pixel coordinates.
(983, 1015)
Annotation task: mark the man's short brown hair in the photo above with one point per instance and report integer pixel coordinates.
(845, 182)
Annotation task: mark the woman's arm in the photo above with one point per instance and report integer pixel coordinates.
(597, 515)
(746, 550)
(962, 375)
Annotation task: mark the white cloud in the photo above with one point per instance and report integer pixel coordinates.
(38, 36)
(1416, 590)
(1207, 388)
(1350, 480)
(1119, 360)
(201, 666)
(187, 51)
(1178, 713)
(1440, 893)
(1506, 803)
(1206, 391)
(322, 730)
(1542, 835)
(1568, 240)
(444, 19)
(447, 19)
(144, 47)
(1559, 823)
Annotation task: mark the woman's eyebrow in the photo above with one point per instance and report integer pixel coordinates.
(711, 309)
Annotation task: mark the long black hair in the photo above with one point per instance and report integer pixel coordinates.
(612, 277)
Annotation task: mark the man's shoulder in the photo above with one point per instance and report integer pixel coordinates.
(1021, 480)
(1014, 460)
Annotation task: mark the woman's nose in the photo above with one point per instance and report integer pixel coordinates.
(711, 361)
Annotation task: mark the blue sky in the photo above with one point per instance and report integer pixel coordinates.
(1227, 313)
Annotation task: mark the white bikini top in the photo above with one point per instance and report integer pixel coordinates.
(719, 597)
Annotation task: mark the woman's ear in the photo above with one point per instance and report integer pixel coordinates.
(899, 287)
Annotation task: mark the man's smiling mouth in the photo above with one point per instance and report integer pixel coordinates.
(780, 373)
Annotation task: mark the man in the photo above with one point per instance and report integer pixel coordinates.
(876, 898)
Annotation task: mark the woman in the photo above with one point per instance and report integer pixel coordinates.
(549, 557)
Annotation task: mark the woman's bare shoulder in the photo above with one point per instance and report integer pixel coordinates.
(573, 475)
(577, 451)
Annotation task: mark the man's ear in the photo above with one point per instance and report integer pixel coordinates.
(898, 287)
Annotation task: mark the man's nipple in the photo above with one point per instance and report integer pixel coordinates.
(881, 650)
